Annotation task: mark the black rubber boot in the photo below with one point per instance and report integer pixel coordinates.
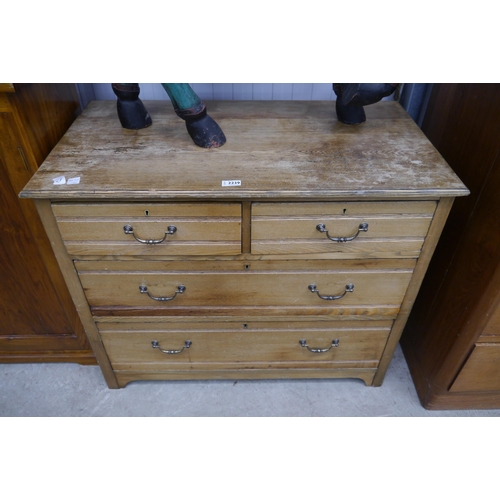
(132, 113)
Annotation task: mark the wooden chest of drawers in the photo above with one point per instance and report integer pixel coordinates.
(308, 269)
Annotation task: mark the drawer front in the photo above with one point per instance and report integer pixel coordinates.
(244, 345)
(171, 284)
(342, 230)
(491, 332)
(138, 229)
(481, 372)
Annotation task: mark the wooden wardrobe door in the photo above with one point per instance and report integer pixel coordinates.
(38, 321)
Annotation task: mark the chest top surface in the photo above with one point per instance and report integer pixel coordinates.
(277, 149)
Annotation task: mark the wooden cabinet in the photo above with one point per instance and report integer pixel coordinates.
(38, 320)
(452, 339)
(307, 269)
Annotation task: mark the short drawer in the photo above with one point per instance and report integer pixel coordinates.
(226, 345)
(204, 285)
(150, 229)
(342, 230)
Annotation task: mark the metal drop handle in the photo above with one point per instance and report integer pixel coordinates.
(335, 343)
(348, 288)
(144, 289)
(128, 229)
(342, 239)
(156, 345)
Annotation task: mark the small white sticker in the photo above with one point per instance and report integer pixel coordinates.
(74, 180)
(60, 180)
(231, 183)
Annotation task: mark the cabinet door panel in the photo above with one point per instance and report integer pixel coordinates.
(481, 372)
(29, 305)
(38, 321)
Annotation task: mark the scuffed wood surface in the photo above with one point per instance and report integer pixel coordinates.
(278, 149)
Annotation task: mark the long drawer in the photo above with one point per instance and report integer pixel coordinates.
(342, 230)
(288, 284)
(226, 345)
(139, 229)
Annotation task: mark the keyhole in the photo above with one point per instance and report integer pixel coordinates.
(344, 211)
(146, 213)
(247, 266)
(245, 325)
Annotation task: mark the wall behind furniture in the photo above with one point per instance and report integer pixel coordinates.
(231, 91)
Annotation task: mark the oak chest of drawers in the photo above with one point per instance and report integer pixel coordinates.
(307, 268)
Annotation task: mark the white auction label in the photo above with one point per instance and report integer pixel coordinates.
(231, 183)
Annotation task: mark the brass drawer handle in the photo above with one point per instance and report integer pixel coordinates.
(144, 289)
(128, 229)
(348, 288)
(156, 345)
(335, 343)
(342, 239)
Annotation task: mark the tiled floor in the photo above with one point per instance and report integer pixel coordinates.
(75, 390)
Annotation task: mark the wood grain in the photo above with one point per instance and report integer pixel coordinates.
(366, 374)
(308, 154)
(492, 328)
(38, 321)
(45, 112)
(26, 289)
(7, 87)
(297, 163)
(245, 288)
(481, 372)
(201, 229)
(77, 294)
(462, 286)
(356, 349)
(394, 229)
(431, 241)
